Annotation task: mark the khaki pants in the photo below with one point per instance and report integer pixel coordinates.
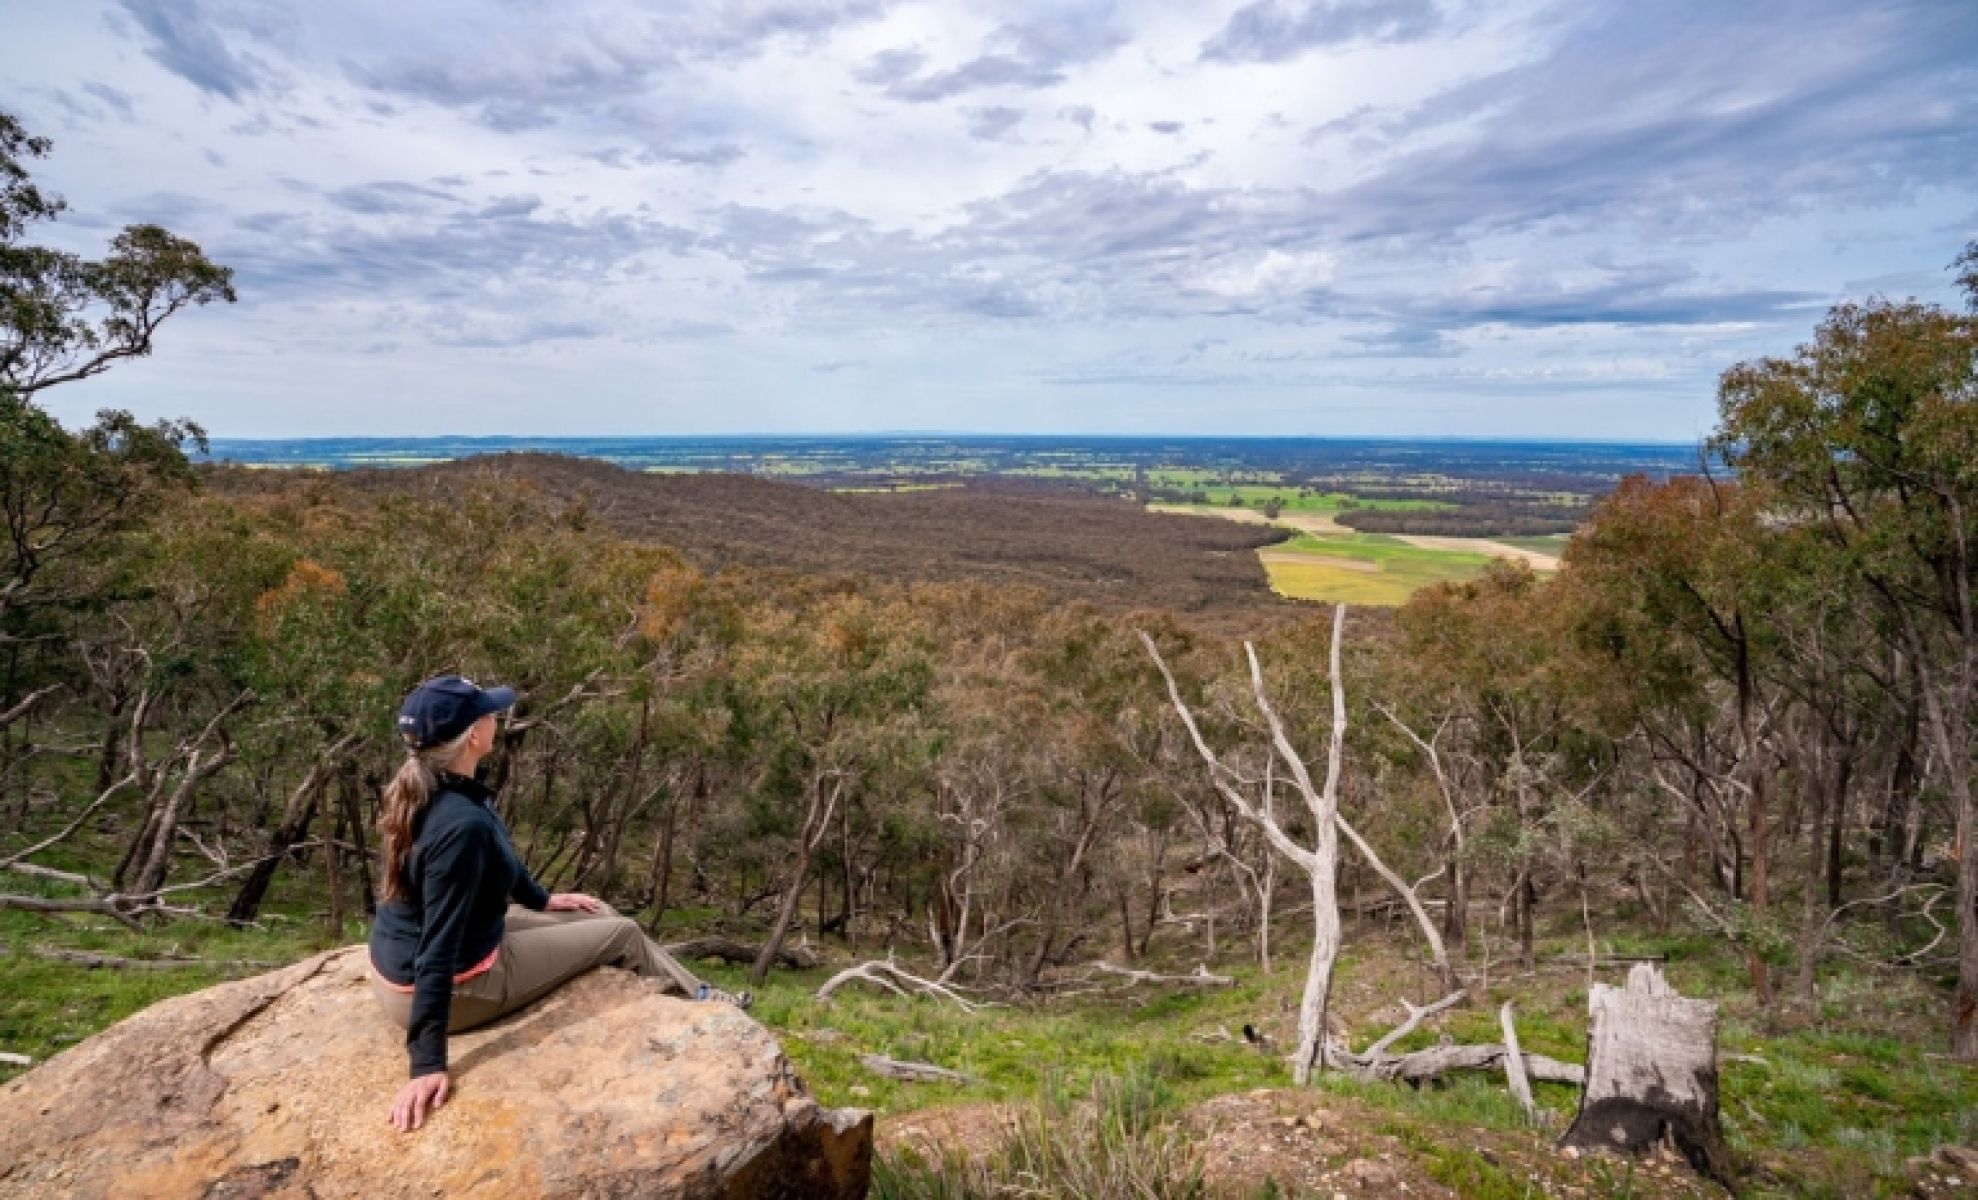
(541, 951)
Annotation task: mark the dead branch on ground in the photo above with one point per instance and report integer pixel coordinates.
(888, 975)
(1416, 1015)
(911, 1072)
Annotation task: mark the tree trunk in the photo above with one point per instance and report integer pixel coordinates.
(158, 861)
(1266, 892)
(1964, 1023)
(817, 822)
(1526, 901)
(1313, 1003)
(1651, 1074)
(786, 911)
(332, 875)
(353, 811)
(1456, 907)
(140, 841)
(294, 826)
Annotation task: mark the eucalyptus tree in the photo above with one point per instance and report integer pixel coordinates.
(65, 318)
(1667, 584)
(829, 691)
(1868, 435)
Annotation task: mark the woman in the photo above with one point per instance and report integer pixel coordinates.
(463, 935)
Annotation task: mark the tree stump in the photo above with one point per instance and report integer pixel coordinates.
(1651, 1074)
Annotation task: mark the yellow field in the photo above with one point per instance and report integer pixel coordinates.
(1334, 564)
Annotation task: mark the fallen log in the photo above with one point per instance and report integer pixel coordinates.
(1200, 977)
(48, 905)
(911, 1072)
(1436, 1061)
(737, 953)
(15, 1060)
(1651, 1074)
(85, 958)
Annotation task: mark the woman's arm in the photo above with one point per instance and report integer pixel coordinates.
(526, 892)
(450, 876)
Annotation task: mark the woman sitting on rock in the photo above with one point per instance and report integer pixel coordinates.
(463, 935)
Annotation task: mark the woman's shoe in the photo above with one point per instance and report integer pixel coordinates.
(740, 1000)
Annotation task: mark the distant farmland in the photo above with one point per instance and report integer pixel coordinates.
(1365, 521)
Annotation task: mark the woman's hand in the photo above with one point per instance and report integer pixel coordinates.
(573, 902)
(417, 1098)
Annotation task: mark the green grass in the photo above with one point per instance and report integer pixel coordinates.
(1012, 1053)
(47, 1005)
(1550, 543)
(1830, 1102)
(1363, 569)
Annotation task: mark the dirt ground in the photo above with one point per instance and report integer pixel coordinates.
(1314, 1144)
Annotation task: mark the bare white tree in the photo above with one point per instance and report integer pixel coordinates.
(1318, 861)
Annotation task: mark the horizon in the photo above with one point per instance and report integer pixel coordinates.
(967, 435)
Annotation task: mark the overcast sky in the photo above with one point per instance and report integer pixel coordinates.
(1331, 217)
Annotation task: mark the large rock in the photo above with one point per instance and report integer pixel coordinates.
(278, 1086)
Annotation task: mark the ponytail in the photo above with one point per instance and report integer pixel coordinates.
(405, 798)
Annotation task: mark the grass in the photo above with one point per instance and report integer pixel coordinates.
(1356, 568)
(1363, 569)
(1116, 1143)
(1550, 543)
(1830, 1101)
(1012, 1053)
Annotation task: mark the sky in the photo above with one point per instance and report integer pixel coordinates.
(1306, 217)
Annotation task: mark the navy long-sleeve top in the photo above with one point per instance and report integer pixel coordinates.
(455, 887)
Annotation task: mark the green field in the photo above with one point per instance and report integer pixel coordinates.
(1355, 568)
(1363, 569)
(1552, 543)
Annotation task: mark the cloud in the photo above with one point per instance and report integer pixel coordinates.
(1276, 30)
(1403, 342)
(184, 42)
(1647, 295)
(1255, 194)
(994, 123)
(116, 99)
(1030, 55)
(889, 66)
(1661, 116)
(387, 196)
(502, 334)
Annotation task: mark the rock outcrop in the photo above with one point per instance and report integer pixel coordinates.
(278, 1086)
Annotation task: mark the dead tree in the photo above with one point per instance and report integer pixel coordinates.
(1651, 1074)
(826, 787)
(1320, 860)
(1456, 915)
(293, 827)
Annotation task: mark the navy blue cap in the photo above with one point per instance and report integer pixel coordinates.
(446, 706)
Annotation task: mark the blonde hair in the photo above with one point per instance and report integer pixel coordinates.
(405, 798)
